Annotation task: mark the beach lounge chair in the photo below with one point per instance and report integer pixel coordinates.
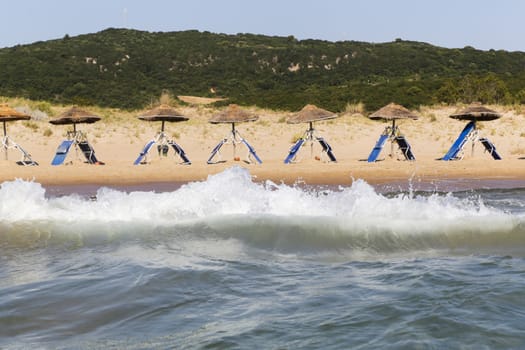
(454, 151)
(88, 152)
(251, 151)
(404, 147)
(489, 147)
(144, 152)
(293, 151)
(26, 157)
(62, 152)
(378, 147)
(178, 149)
(216, 151)
(327, 149)
(234, 139)
(8, 143)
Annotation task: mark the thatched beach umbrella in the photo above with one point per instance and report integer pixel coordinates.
(310, 114)
(75, 116)
(8, 114)
(231, 115)
(393, 112)
(76, 138)
(163, 113)
(476, 112)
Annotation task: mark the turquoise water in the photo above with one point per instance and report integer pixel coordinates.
(229, 263)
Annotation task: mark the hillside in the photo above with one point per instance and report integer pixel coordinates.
(128, 68)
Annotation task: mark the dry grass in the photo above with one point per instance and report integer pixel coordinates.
(354, 108)
(296, 137)
(48, 132)
(31, 125)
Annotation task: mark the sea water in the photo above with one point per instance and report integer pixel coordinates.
(229, 263)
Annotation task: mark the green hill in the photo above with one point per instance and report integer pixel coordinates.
(128, 68)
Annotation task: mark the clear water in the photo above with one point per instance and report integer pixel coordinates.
(228, 263)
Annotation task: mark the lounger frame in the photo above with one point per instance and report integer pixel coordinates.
(8, 143)
(310, 137)
(78, 140)
(163, 145)
(469, 134)
(394, 136)
(234, 138)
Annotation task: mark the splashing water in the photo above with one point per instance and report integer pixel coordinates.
(231, 205)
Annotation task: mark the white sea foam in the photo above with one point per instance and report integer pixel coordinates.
(230, 204)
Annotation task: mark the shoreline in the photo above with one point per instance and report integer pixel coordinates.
(168, 176)
(444, 185)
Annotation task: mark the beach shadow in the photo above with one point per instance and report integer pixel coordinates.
(376, 161)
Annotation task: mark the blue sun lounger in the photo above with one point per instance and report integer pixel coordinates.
(61, 152)
(178, 149)
(252, 151)
(377, 148)
(88, 152)
(293, 151)
(327, 148)
(144, 152)
(215, 151)
(405, 147)
(458, 145)
(489, 147)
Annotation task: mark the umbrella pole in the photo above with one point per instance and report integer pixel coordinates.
(5, 140)
(162, 127)
(311, 138)
(392, 138)
(474, 139)
(234, 139)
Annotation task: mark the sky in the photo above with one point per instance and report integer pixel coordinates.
(483, 24)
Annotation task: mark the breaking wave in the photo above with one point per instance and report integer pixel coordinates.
(231, 207)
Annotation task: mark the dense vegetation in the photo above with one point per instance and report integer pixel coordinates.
(128, 68)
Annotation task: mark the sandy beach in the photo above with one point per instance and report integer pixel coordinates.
(119, 137)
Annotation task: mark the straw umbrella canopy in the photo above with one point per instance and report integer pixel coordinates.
(476, 112)
(310, 114)
(163, 113)
(233, 114)
(393, 112)
(8, 114)
(75, 116)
